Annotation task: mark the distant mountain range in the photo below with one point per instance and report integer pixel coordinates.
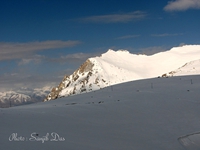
(23, 96)
(114, 67)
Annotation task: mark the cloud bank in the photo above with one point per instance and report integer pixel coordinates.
(182, 5)
(75, 58)
(20, 50)
(116, 18)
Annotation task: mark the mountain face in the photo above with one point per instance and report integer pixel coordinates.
(114, 67)
(22, 96)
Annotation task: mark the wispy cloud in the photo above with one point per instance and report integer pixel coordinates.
(116, 18)
(182, 5)
(20, 50)
(36, 59)
(166, 34)
(16, 81)
(128, 37)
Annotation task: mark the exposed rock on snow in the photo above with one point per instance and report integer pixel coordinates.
(78, 82)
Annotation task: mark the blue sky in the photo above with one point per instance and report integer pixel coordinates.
(42, 40)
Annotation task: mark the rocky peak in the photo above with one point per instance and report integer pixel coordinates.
(80, 76)
(85, 67)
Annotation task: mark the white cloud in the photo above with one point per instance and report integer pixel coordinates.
(182, 44)
(20, 50)
(182, 5)
(166, 34)
(128, 36)
(116, 18)
(25, 61)
(74, 58)
(36, 59)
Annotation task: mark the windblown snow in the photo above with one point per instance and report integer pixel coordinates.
(114, 67)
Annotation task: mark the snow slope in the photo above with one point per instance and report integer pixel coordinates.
(151, 114)
(114, 67)
(190, 68)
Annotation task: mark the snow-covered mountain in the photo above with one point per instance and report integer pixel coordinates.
(23, 96)
(114, 67)
(9, 98)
